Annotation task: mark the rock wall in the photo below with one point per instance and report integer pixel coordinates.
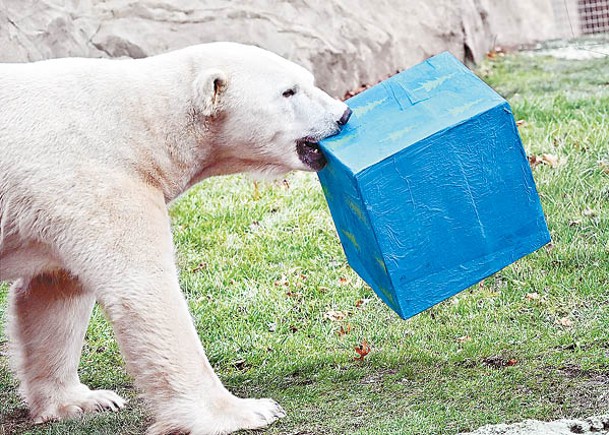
(343, 43)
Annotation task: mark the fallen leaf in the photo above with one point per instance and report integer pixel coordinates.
(291, 294)
(283, 281)
(604, 165)
(575, 222)
(588, 212)
(532, 296)
(521, 122)
(361, 303)
(463, 339)
(512, 362)
(202, 265)
(550, 159)
(565, 321)
(492, 55)
(534, 161)
(342, 281)
(335, 315)
(293, 329)
(547, 159)
(344, 330)
(362, 350)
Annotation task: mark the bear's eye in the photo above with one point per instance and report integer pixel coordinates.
(289, 93)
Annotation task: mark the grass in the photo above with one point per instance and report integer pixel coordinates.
(262, 266)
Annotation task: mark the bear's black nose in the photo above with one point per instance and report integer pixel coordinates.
(345, 118)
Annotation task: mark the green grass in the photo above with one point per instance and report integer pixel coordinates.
(272, 266)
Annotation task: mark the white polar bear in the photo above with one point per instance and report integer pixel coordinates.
(91, 152)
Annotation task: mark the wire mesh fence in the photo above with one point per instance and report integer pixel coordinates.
(577, 17)
(593, 16)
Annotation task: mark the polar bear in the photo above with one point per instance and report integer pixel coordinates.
(91, 153)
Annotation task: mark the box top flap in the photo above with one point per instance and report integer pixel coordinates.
(408, 107)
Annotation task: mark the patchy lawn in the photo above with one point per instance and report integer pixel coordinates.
(280, 313)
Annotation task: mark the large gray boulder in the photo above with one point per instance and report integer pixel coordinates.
(344, 43)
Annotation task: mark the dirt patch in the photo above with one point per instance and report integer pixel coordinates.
(583, 391)
(499, 362)
(14, 422)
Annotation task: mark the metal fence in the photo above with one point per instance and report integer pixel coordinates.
(577, 17)
(593, 16)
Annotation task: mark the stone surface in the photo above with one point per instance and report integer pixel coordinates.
(344, 43)
(594, 425)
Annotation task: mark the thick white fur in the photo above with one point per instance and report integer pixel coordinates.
(91, 151)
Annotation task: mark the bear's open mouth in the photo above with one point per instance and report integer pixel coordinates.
(310, 154)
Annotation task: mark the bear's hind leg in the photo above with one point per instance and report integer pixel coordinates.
(48, 317)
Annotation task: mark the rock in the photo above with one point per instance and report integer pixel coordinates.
(594, 425)
(344, 43)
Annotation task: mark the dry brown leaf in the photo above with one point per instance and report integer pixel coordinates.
(547, 159)
(344, 330)
(521, 122)
(588, 212)
(512, 362)
(283, 281)
(532, 296)
(551, 160)
(295, 295)
(463, 339)
(342, 281)
(604, 165)
(492, 55)
(335, 315)
(362, 350)
(534, 161)
(201, 266)
(565, 321)
(361, 303)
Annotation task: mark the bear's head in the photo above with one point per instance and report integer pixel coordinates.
(265, 112)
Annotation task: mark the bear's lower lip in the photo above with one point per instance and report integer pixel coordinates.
(310, 154)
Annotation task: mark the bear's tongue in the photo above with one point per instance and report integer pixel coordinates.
(310, 154)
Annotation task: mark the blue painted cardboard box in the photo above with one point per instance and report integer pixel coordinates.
(429, 186)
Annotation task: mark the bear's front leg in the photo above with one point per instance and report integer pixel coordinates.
(131, 267)
(163, 353)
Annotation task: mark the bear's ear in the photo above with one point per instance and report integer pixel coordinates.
(208, 89)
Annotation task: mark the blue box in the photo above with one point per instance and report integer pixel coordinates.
(429, 186)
